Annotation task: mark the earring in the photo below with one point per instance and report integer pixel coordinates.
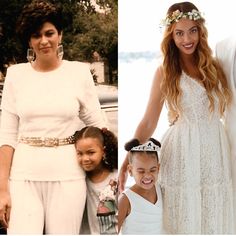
(30, 55)
(60, 51)
(130, 173)
(105, 160)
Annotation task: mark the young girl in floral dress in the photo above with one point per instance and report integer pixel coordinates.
(97, 154)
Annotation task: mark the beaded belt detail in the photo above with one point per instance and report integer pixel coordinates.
(47, 142)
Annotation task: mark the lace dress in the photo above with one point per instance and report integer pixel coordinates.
(195, 168)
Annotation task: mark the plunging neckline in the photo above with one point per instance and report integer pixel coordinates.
(193, 79)
(154, 204)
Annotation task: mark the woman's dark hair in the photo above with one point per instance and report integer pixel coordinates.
(107, 139)
(34, 15)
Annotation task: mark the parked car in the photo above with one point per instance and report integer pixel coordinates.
(108, 98)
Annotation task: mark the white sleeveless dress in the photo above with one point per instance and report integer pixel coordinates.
(195, 172)
(145, 217)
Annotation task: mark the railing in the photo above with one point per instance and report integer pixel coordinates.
(109, 105)
(108, 102)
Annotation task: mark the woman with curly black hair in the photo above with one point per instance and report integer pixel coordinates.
(97, 152)
(42, 189)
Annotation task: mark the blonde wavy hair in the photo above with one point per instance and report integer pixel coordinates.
(213, 77)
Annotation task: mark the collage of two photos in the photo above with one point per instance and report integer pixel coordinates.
(176, 86)
(117, 117)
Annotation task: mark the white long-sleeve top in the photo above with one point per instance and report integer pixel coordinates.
(47, 104)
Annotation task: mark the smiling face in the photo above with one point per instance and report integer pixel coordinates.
(45, 42)
(186, 36)
(90, 153)
(144, 168)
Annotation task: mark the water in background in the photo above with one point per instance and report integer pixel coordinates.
(136, 71)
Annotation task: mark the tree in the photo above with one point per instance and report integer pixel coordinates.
(10, 48)
(97, 31)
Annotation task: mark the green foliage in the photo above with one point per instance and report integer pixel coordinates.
(87, 29)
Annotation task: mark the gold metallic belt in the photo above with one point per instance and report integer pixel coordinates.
(47, 142)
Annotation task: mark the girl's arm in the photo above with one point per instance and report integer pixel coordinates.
(123, 210)
(148, 124)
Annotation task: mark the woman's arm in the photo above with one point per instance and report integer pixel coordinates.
(6, 154)
(151, 116)
(123, 209)
(90, 110)
(8, 140)
(149, 122)
(123, 175)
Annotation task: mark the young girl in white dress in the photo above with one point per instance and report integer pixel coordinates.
(195, 167)
(140, 206)
(97, 151)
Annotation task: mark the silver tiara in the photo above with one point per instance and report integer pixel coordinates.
(149, 146)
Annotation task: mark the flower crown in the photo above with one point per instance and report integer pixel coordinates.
(177, 15)
(149, 146)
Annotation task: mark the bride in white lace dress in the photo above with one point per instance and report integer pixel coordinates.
(195, 167)
(195, 172)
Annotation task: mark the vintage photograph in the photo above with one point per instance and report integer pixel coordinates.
(59, 108)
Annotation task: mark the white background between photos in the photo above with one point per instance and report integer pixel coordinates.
(139, 32)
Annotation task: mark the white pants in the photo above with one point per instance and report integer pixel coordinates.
(54, 207)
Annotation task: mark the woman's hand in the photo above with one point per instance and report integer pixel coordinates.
(6, 154)
(5, 207)
(123, 174)
(122, 178)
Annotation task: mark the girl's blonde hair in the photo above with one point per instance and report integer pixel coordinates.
(213, 77)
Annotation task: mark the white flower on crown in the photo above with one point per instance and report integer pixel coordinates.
(177, 15)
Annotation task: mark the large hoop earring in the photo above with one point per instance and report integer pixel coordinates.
(30, 55)
(60, 51)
